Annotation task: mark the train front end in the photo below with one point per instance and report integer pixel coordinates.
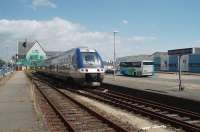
(91, 67)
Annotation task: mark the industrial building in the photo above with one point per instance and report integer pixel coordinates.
(189, 62)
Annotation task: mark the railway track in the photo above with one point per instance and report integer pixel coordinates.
(186, 120)
(179, 118)
(74, 115)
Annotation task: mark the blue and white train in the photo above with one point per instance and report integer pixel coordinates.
(82, 65)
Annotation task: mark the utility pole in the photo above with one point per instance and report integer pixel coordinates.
(179, 73)
(114, 56)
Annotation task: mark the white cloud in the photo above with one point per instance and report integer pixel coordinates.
(196, 41)
(43, 3)
(61, 34)
(124, 21)
(141, 38)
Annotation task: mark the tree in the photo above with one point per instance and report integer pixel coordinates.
(2, 62)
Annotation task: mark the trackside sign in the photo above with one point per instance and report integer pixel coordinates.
(180, 51)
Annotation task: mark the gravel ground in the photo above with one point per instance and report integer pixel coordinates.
(132, 120)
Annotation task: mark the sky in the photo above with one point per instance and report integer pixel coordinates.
(145, 26)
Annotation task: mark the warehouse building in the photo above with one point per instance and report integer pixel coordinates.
(160, 61)
(189, 63)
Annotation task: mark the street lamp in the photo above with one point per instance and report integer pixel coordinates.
(7, 54)
(114, 57)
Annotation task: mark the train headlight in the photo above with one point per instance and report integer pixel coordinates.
(98, 70)
(82, 70)
(86, 70)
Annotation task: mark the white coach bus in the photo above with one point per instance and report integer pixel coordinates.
(137, 68)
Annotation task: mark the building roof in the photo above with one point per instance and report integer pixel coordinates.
(24, 47)
(50, 54)
(158, 54)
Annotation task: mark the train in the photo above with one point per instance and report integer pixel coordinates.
(82, 65)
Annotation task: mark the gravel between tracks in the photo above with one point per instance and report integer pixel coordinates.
(133, 121)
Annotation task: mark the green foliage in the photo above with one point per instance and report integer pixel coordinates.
(2, 62)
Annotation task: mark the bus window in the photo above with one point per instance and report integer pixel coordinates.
(136, 64)
(130, 64)
(124, 64)
(147, 63)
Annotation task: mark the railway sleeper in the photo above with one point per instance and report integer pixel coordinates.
(80, 115)
(87, 127)
(150, 108)
(95, 125)
(135, 104)
(142, 106)
(172, 115)
(100, 130)
(193, 121)
(73, 112)
(184, 118)
(70, 111)
(164, 112)
(86, 122)
(72, 118)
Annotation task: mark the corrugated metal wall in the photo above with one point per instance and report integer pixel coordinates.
(173, 63)
(164, 65)
(185, 63)
(189, 63)
(194, 63)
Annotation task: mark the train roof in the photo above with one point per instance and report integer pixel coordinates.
(86, 49)
(82, 49)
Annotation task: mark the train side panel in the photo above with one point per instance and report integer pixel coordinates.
(73, 64)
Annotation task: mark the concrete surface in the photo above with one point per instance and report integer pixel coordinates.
(17, 112)
(161, 83)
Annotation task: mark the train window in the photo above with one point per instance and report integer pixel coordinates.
(90, 58)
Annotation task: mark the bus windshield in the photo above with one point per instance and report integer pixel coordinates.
(90, 59)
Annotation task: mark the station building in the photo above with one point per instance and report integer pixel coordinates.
(169, 63)
(30, 54)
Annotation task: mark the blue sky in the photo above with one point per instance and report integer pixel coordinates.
(144, 26)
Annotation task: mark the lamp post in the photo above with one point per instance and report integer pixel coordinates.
(7, 54)
(114, 57)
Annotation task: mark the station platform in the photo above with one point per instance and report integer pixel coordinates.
(161, 87)
(17, 113)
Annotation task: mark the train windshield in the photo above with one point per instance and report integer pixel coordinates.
(91, 59)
